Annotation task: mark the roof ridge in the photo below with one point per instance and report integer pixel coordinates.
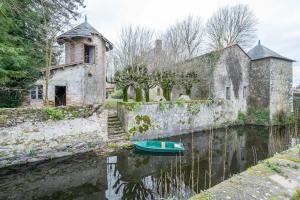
(260, 51)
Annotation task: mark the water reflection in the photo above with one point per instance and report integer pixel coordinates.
(128, 175)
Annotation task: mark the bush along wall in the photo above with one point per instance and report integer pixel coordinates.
(254, 116)
(14, 116)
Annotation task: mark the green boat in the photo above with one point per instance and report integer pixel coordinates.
(159, 146)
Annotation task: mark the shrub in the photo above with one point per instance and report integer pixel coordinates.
(54, 113)
(118, 94)
(258, 116)
(241, 119)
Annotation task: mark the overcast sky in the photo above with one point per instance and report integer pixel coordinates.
(278, 28)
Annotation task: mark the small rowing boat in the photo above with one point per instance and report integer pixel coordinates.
(159, 146)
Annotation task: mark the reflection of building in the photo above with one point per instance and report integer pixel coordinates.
(83, 176)
(127, 175)
(82, 79)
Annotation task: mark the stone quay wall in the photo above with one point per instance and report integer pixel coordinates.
(163, 119)
(14, 116)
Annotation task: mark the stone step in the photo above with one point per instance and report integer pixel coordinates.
(113, 131)
(116, 129)
(117, 137)
(117, 132)
(113, 120)
(113, 117)
(115, 124)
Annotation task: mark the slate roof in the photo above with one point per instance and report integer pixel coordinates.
(84, 30)
(260, 52)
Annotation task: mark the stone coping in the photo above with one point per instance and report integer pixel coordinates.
(275, 178)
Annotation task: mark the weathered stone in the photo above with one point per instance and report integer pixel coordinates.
(3, 120)
(43, 140)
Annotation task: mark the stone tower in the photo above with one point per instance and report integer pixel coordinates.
(85, 46)
(270, 81)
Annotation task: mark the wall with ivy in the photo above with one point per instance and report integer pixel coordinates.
(177, 117)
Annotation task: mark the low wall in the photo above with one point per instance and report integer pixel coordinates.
(14, 116)
(173, 118)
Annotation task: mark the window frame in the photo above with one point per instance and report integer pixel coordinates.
(244, 91)
(37, 92)
(94, 53)
(227, 93)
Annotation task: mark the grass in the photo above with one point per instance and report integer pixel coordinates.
(54, 113)
(290, 159)
(271, 165)
(111, 103)
(204, 195)
(297, 195)
(127, 146)
(18, 141)
(112, 145)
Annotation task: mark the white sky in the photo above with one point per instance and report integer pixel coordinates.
(278, 28)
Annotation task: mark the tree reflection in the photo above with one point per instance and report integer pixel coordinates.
(133, 189)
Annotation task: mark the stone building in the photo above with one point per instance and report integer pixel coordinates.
(271, 80)
(261, 78)
(82, 79)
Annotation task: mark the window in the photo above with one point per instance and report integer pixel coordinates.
(36, 92)
(33, 93)
(228, 93)
(158, 91)
(40, 91)
(244, 91)
(89, 54)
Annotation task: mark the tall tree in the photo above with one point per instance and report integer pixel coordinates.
(27, 29)
(134, 42)
(231, 25)
(183, 40)
(167, 80)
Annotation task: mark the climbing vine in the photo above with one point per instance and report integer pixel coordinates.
(142, 124)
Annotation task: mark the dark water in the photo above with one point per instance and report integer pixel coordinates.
(128, 175)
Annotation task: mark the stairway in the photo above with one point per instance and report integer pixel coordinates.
(115, 129)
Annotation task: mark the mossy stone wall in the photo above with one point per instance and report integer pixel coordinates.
(14, 116)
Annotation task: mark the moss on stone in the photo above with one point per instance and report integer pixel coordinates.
(290, 158)
(204, 195)
(3, 120)
(112, 145)
(297, 195)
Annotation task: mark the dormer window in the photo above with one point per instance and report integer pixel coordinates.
(89, 54)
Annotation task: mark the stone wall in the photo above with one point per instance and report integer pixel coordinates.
(281, 79)
(173, 118)
(259, 79)
(14, 116)
(217, 70)
(30, 142)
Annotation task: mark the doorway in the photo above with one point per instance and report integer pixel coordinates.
(60, 95)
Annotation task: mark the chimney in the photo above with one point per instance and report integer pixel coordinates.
(158, 45)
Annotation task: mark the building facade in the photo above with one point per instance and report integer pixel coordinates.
(82, 80)
(259, 79)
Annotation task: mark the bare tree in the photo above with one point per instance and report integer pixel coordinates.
(183, 40)
(231, 25)
(133, 44)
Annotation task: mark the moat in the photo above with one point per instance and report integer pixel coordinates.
(132, 175)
